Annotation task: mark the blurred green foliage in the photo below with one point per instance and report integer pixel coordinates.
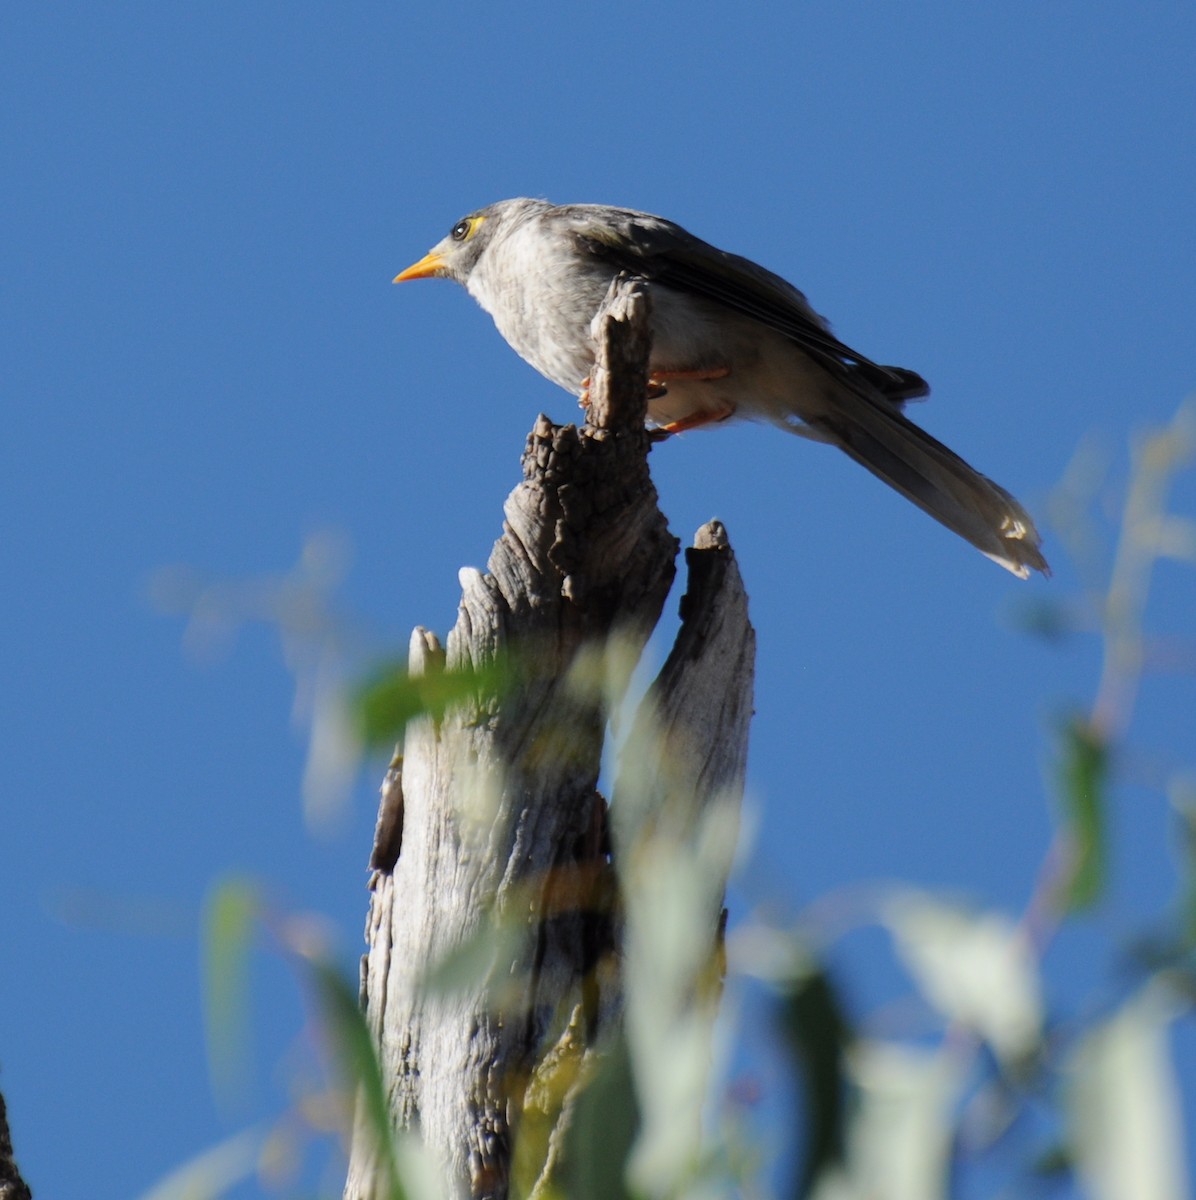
(1083, 792)
(391, 697)
(1086, 1102)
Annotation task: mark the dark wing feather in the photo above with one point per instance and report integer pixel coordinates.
(665, 253)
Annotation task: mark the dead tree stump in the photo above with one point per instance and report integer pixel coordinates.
(491, 819)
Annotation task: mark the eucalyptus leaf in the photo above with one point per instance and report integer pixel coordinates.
(1083, 780)
(212, 1172)
(602, 1131)
(471, 965)
(231, 909)
(974, 968)
(816, 1030)
(391, 697)
(1123, 1104)
(899, 1137)
(358, 1059)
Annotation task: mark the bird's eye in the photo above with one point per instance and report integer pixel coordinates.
(461, 230)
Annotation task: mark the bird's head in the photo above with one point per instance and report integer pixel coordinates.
(454, 256)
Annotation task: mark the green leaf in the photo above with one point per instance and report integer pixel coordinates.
(384, 703)
(603, 1131)
(973, 967)
(902, 1122)
(1083, 788)
(213, 1172)
(1047, 619)
(1055, 1159)
(229, 915)
(1124, 1104)
(473, 964)
(817, 1034)
(358, 1058)
(1182, 792)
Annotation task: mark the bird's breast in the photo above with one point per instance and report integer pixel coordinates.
(543, 299)
(542, 302)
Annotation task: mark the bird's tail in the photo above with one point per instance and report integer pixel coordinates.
(878, 436)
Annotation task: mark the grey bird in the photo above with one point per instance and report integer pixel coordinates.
(730, 339)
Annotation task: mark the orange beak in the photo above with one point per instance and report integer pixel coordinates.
(428, 267)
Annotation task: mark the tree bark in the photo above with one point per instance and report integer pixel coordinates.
(492, 836)
(12, 1186)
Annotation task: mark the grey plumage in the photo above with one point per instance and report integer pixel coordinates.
(729, 339)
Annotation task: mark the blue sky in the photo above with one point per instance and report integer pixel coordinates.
(205, 362)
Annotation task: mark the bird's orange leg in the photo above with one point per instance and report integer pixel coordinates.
(661, 378)
(658, 386)
(695, 421)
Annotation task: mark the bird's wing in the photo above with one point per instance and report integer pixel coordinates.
(665, 253)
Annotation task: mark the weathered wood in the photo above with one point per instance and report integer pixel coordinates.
(702, 699)
(490, 821)
(12, 1186)
(676, 813)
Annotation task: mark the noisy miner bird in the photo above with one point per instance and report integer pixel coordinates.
(729, 339)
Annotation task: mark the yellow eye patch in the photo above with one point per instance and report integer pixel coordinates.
(464, 230)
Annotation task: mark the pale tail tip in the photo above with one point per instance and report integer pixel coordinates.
(1023, 554)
